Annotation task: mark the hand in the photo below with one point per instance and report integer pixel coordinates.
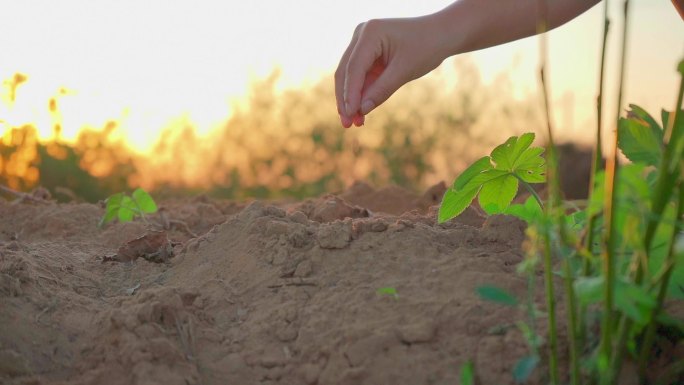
(384, 55)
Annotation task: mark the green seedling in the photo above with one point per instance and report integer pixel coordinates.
(125, 208)
(468, 373)
(495, 178)
(391, 291)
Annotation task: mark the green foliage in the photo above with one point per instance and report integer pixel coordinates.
(530, 211)
(391, 291)
(495, 178)
(641, 137)
(648, 209)
(125, 208)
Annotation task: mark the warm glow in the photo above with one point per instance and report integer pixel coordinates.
(142, 73)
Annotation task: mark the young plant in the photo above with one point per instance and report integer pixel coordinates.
(125, 208)
(495, 178)
(390, 291)
(648, 266)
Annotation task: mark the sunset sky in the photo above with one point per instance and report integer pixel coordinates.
(146, 63)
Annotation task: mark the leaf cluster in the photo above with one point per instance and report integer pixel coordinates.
(125, 208)
(495, 178)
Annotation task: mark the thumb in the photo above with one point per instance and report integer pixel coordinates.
(380, 90)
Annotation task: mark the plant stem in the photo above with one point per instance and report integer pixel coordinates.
(531, 190)
(664, 281)
(551, 309)
(596, 166)
(572, 322)
(666, 181)
(554, 198)
(606, 348)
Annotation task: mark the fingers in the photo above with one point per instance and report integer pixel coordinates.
(366, 51)
(340, 72)
(387, 83)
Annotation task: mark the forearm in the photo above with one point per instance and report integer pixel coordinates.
(470, 25)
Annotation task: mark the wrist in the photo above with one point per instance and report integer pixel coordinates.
(452, 31)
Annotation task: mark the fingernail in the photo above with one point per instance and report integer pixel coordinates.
(367, 106)
(347, 109)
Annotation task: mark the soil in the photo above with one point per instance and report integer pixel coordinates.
(214, 292)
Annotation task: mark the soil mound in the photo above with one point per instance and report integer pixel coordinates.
(341, 289)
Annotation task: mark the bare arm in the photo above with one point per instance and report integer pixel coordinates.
(388, 53)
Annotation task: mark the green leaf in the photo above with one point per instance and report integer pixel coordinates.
(524, 368)
(529, 211)
(114, 201)
(144, 201)
(640, 142)
(468, 373)
(496, 195)
(109, 216)
(469, 173)
(495, 294)
(636, 112)
(127, 210)
(502, 155)
(454, 203)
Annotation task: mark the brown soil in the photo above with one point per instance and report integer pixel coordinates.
(262, 294)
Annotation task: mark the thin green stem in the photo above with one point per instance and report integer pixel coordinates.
(551, 309)
(531, 190)
(572, 322)
(596, 166)
(606, 348)
(554, 197)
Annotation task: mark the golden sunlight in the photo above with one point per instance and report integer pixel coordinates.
(199, 95)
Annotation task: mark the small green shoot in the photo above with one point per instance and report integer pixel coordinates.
(468, 373)
(125, 208)
(388, 291)
(495, 178)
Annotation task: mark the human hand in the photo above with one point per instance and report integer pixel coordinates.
(383, 55)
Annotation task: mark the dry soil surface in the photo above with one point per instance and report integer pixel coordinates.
(225, 293)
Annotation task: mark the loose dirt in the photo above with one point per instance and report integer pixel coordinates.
(257, 293)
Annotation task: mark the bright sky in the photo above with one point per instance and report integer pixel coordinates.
(147, 62)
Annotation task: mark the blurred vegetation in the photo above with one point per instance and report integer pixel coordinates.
(280, 143)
